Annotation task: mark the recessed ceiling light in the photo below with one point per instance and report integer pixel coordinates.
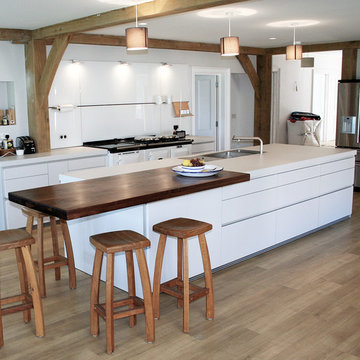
(272, 38)
(294, 23)
(218, 13)
(124, 2)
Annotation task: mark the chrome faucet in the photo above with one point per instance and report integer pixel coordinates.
(249, 138)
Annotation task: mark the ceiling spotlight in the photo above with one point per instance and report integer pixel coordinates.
(123, 62)
(165, 64)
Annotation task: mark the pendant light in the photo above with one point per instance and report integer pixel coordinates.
(136, 37)
(229, 45)
(294, 51)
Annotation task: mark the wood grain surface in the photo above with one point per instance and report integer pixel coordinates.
(95, 196)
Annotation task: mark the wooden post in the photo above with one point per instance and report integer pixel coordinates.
(40, 73)
(38, 117)
(349, 61)
(262, 111)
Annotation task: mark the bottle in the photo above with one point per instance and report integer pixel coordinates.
(5, 120)
(5, 141)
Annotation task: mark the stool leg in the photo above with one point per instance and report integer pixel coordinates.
(186, 308)
(55, 244)
(109, 304)
(29, 224)
(131, 282)
(210, 312)
(36, 298)
(23, 281)
(69, 253)
(94, 297)
(1, 328)
(40, 255)
(179, 267)
(145, 281)
(157, 275)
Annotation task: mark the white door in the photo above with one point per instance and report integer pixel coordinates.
(205, 95)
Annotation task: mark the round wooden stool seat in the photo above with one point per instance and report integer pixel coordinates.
(12, 239)
(182, 227)
(117, 241)
(111, 243)
(180, 287)
(51, 262)
(20, 240)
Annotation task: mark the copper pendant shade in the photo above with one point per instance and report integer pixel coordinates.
(136, 37)
(294, 51)
(229, 45)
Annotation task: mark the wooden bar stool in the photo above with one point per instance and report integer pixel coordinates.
(20, 240)
(52, 262)
(180, 287)
(111, 243)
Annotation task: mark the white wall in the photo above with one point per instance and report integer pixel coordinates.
(144, 78)
(12, 68)
(242, 107)
(296, 85)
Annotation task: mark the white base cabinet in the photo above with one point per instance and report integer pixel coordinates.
(247, 218)
(22, 177)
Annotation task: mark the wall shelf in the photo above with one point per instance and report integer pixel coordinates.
(182, 108)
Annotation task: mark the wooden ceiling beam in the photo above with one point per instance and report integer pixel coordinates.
(126, 15)
(318, 47)
(17, 35)
(112, 40)
(52, 62)
(250, 72)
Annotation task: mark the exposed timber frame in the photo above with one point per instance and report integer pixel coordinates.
(41, 70)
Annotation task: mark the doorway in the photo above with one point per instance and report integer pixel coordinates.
(211, 104)
(206, 97)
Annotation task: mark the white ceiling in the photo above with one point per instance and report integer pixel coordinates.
(338, 20)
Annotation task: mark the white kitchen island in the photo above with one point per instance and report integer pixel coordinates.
(293, 190)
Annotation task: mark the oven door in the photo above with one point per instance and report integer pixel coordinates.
(157, 153)
(126, 157)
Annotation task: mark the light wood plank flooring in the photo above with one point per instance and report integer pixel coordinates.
(300, 301)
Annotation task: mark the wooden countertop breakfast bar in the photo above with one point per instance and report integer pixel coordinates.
(90, 197)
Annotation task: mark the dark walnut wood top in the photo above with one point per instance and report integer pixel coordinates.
(95, 196)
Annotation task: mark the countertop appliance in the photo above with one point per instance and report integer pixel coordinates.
(27, 143)
(126, 150)
(348, 121)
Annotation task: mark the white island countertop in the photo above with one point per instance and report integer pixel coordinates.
(276, 157)
(52, 155)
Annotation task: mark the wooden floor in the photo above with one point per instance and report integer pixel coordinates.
(300, 301)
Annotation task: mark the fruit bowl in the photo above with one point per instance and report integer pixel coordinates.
(193, 165)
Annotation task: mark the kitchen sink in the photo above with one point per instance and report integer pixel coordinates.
(229, 154)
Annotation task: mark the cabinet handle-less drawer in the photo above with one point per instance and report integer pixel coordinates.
(87, 163)
(29, 182)
(25, 171)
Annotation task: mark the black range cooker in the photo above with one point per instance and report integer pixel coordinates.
(138, 143)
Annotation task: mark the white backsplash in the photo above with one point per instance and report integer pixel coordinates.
(125, 90)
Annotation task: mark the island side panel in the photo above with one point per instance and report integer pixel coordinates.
(204, 206)
(84, 252)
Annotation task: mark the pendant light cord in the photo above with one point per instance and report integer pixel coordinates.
(294, 36)
(229, 26)
(136, 16)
